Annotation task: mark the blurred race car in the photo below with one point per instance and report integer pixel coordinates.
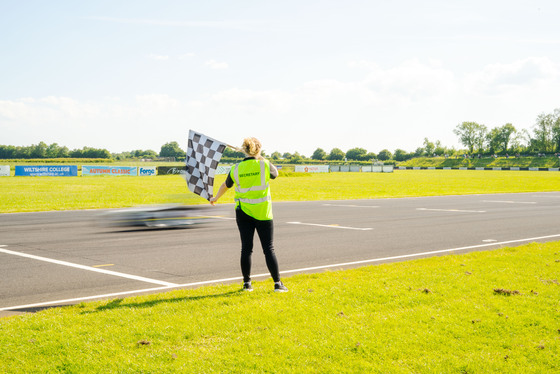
(162, 216)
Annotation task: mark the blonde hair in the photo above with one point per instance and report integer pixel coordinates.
(252, 147)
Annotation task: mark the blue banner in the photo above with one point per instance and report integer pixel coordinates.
(109, 170)
(47, 171)
(147, 171)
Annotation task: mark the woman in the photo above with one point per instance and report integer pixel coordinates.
(253, 209)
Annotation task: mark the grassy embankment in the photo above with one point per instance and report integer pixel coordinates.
(486, 162)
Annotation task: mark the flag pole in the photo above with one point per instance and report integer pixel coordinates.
(235, 148)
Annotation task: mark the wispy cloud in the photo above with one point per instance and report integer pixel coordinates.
(158, 57)
(237, 24)
(187, 56)
(213, 64)
(477, 38)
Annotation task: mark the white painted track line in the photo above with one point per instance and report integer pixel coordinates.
(266, 275)
(452, 210)
(88, 268)
(352, 205)
(331, 226)
(420, 254)
(509, 202)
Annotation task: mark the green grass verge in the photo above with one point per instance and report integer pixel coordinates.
(27, 194)
(436, 315)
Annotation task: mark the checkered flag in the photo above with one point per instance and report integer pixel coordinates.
(203, 155)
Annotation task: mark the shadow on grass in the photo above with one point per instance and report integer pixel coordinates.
(119, 303)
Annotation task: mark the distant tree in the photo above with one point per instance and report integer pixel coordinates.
(55, 151)
(357, 154)
(336, 154)
(121, 156)
(384, 155)
(7, 152)
(228, 152)
(493, 140)
(401, 155)
(439, 149)
(88, 152)
(139, 153)
(547, 132)
(319, 154)
(287, 155)
(481, 137)
(370, 156)
(63, 152)
(429, 147)
(39, 150)
(276, 155)
(296, 158)
(499, 138)
(471, 135)
(171, 149)
(77, 153)
(556, 129)
(521, 142)
(507, 132)
(419, 152)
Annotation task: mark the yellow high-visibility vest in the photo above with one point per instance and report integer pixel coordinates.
(252, 191)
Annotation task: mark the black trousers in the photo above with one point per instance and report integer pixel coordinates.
(265, 229)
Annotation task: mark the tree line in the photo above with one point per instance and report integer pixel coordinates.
(477, 138)
(503, 139)
(43, 150)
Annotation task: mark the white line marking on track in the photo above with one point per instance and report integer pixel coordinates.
(79, 299)
(331, 226)
(509, 202)
(266, 275)
(452, 210)
(115, 294)
(88, 268)
(352, 206)
(420, 254)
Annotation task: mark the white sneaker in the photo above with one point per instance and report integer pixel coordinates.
(279, 287)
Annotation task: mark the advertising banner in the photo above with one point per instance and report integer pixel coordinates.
(47, 171)
(169, 170)
(144, 171)
(4, 170)
(312, 168)
(109, 170)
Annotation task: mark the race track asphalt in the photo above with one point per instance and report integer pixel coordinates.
(59, 258)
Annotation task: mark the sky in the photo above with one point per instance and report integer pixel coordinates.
(298, 75)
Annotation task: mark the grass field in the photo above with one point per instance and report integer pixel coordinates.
(484, 312)
(27, 194)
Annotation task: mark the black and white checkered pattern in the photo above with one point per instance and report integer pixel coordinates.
(203, 155)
